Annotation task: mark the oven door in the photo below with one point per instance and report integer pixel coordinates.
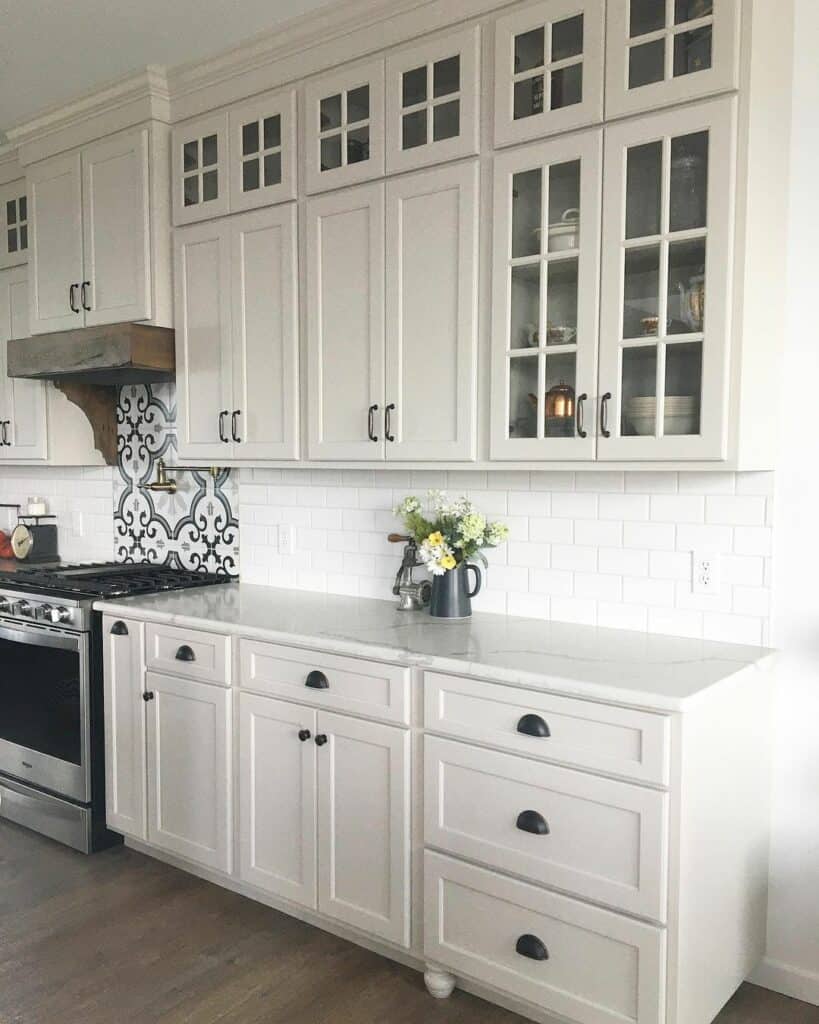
(44, 709)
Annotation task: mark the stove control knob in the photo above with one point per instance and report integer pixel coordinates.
(43, 611)
(57, 615)
(25, 609)
(6, 604)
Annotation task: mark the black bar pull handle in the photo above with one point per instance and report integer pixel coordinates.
(71, 289)
(119, 628)
(581, 430)
(317, 680)
(604, 414)
(222, 436)
(531, 821)
(388, 422)
(233, 425)
(533, 725)
(185, 653)
(371, 423)
(531, 947)
(84, 295)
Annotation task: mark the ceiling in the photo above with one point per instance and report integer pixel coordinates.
(53, 50)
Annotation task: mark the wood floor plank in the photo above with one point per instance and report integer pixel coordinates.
(120, 938)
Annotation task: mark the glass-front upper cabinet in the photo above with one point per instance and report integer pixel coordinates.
(14, 229)
(344, 127)
(263, 151)
(666, 277)
(548, 69)
(669, 51)
(545, 301)
(433, 91)
(199, 166)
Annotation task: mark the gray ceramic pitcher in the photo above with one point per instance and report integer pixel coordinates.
(451, 596)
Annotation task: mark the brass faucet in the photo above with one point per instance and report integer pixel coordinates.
(167, 486)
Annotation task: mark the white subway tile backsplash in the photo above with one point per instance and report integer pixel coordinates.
(677, 508)
(597, 533)
(624, 506)
(623, 562)
(736, 510)
(551, 581)
(653, 536)
(652, 483)
(574, 558)
(551, 531)
(574, 506)
(753, 540)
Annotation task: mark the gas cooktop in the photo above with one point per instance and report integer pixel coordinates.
(106, 579)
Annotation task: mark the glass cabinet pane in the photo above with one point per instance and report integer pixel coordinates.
(567, 86)
(683, 388)
(686, 286)
(330, 113)
(644, 185)
(529, 50)
(210, 186)
(210, 151)
(646, 64)
(564, 206)
(11, 240)
(358, 104)
(250, 175)
(689, 182)
(190, 155)
(561, 302)
(273, 132)
(567, 38)
(559, 396)
(646, 16)
(272, 169)
(414, 86)
(641, 292)
(331, 152)
(639, 386)
(527, 187)
(523, 400)
(525, 306)
(250, 138)
(692, 51)
(414, 129)
(528, 97)
(690, 10)
(11, 212)
(358, 145)
(446, 118)
(22, 206)
(446, 76)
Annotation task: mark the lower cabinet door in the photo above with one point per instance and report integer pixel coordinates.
(277, 797)
(364, 825)
(189, 778)
(125, 779)
(590, 965)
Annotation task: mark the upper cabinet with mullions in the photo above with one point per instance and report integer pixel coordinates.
(661, 52)
(14, 224)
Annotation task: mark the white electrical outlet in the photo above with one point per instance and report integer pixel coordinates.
(707, 575)
(287, 539)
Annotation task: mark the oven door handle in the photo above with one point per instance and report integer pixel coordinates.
(35, 637)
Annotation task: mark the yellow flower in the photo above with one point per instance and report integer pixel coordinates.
(436, 538)
(448, 562)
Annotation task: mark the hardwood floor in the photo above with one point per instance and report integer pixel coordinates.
(123, 939)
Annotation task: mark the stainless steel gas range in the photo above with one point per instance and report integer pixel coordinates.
(52, 770)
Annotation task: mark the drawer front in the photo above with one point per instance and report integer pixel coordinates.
(599, 967)
(326, 680)
(598, 838)
(191, 653)
(620, 741)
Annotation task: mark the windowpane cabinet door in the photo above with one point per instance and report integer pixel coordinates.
(263, 151)
(433, 94)
(432, 273)
(548, 69)
(344, 127)
(14, 224)
(661, 52)
(200, 169)
(545, 304)
(665, 309)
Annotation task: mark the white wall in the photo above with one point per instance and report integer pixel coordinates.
(792, 962)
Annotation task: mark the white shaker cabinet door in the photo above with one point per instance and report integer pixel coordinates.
(202, 311)
(665, 331)
(125, 765)
(55, 262)
(189, 777)
(432, 271)
(277, 797)
(23, 417)
(364, 825)
(345, 323)
(264, 420)
(116, 286)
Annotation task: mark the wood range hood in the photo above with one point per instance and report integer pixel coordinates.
(89, 365)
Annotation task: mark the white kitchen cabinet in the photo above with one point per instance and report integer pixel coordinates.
(237, 336)
(661, 53)
(199, 169)
(14, 224)
(344, 127)
(546, 267)
(262, 151)
(433, 101)
(403, 387)
(363, 825)
(277, 798)
(189, 776)
(23, 417)
(668, 230)
(92, 213)
(126, 798)
(548, 69)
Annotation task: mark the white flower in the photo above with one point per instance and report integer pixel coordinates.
(408, 506)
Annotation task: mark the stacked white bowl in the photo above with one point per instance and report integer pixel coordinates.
(680, 414)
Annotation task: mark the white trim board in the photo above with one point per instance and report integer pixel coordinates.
(787, 980)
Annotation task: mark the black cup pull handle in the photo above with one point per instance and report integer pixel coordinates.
(185, 653)
(581, 430)
(321, 739)
(119, 628)
(531, 821)
(388, 422)
(234, 420)
(148, 695)
(604, 414)
(317, 680)
(304, 735)
(533, 725)
(531, 947)
(371, 423)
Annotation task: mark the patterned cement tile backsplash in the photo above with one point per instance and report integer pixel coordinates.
(195, 528)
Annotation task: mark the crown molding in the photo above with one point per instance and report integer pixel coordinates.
(10, 169)
(139, 97)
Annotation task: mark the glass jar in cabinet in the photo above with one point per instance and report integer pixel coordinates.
(546, 270)
(344, 127)
(432, 101)
(660, 52)
(263, 151)
(666, 284)
(548, 69)
(199, 167)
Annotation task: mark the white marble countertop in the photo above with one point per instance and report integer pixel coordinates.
(640, 669)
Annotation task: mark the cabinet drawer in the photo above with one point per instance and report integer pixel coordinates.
(634, 744)
(191, 653)
(326, 680)
(601, 967)
(595, 837)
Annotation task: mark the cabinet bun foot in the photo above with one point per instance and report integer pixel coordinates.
(439, 983)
